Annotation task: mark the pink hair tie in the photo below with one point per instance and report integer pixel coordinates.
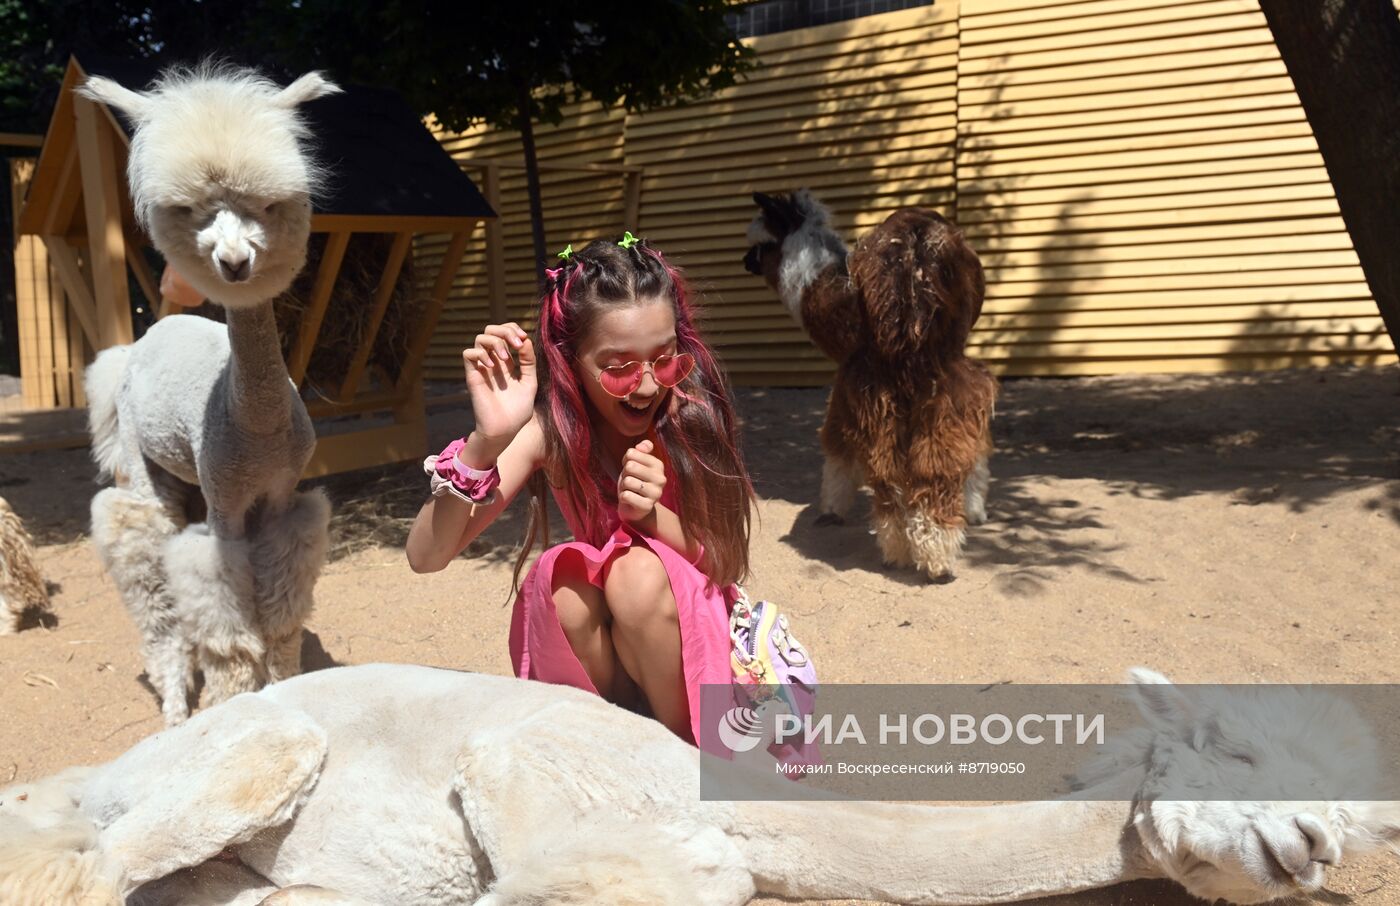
(448, 475)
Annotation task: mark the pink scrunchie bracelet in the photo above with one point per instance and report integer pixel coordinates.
(449, 476)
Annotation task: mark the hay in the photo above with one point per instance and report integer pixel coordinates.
(373, 507)
(346, 319)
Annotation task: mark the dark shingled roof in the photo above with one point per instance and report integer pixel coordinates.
(381, 158)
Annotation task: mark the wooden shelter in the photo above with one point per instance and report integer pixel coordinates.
(80, 252)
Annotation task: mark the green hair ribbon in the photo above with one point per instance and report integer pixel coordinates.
(628, 240)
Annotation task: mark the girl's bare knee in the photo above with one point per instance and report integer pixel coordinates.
(637, 589)
(578, 604)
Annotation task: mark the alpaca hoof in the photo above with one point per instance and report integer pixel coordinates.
(174, 714)
(826, 519)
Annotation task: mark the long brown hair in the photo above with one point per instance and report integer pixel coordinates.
(697, 429)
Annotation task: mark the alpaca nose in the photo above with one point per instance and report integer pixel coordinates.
(234, 270)
(751, 262)
(1321, 847)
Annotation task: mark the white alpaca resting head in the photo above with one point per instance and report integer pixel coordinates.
(49, 851)
(220, 175)
(1211, 755)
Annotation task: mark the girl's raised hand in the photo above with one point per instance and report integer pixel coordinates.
(639, 483)
(500, 368)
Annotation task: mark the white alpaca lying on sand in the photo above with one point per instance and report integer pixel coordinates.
(395, 784)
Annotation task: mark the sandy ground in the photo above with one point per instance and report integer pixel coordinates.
(1239, 528)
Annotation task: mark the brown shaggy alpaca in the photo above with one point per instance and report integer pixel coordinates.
(21, 585)
(910, 413)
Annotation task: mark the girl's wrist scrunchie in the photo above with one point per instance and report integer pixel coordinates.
(448, 475)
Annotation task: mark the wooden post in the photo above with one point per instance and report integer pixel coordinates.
(413, 362)
(75, 282)
(382, 294)
(495, 245)
(331, 258)
(97, 161)
(32, 292)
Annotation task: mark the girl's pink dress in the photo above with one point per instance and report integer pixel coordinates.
(540, 650)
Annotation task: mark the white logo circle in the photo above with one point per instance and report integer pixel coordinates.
(740, 729)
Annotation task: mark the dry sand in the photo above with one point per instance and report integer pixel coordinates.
(1235, 528)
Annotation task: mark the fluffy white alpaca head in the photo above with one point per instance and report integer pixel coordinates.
(220, 176)
(1212, 756)
(49, 851)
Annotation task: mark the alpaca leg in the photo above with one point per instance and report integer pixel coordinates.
(9, 616)
(888, 520)
(610, 860)
(975, 492)
(568, 851)
(211, 578)
(288, 553)
(129, 532)
(227, 676)
(179, 798)
(284, 657)
(934, 543)
(217, 882)
(840, 480)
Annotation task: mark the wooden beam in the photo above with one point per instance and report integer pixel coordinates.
(553, 166)
(393, 265)
(32, 290)
(21, 140)
(331, 259)
(107, 242)
(58, 220)
(75, 284)
(57, 139)
(77, 356)
(632, 202)
(371, 447)
(413, 363)
(368, 402)
(384, 223)
(495, 245)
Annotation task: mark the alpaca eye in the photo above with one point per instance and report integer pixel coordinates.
(1243, 759)
(183, 210)
(270, 207)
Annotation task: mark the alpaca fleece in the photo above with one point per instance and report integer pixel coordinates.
(910, 413)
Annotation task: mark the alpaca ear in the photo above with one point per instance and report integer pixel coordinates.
(134, 104)
(1161, 702)
(307, 88)
(1379, 821)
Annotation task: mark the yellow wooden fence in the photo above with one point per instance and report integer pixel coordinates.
(1138, 177)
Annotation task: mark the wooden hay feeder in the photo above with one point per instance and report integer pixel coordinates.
(359, 369)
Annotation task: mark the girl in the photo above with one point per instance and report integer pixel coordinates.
(620, 408)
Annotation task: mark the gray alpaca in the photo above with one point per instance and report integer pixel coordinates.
(220, 178)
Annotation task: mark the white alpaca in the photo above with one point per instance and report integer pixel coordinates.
(199, 416)
(22, 586)
(400, 784)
